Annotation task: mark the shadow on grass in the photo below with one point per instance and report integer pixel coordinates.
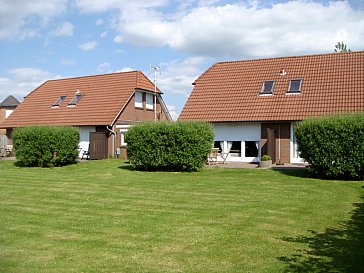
(128, 167)
(335, 250)
(20, 164)
(293, 171)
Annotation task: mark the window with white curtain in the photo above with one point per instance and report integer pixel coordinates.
(149, 101)
(251, 148)
(138, 99)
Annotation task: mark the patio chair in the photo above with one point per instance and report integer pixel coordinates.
(86, 154)
(213, 156)
(9, 150)
(224, 156)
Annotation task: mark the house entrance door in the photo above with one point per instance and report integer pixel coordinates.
(271, 144)
(98, 145)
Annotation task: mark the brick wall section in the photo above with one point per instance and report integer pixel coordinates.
(2, 118)
(132, 115)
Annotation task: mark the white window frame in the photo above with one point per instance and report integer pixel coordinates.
(122, 130)
(289, 91)
(251, 159)
(293, 148)
(138, 99)
(242, 157)
(149, 101)
(122, 137)
(267, 93)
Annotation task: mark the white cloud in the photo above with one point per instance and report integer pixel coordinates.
(91, 6)
(23, 80)
(64, 30)
(67, 62)
(20, 19)
(284, 29)
(88, 46)
(103, 34)
(177, 76)
(172, 111)
(118, 39)
(101, 68)
(244, 29)
(125, 69)
(175, 81)
(99, 22)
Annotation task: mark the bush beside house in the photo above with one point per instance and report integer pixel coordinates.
(333, 145)
(180, 146)
(46, 146)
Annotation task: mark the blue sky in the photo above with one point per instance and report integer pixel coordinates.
(48, 39)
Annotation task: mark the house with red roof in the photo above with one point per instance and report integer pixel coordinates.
(7, 106)
(102, 107)
(254, 105)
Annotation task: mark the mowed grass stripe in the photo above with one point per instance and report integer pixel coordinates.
(99, 216)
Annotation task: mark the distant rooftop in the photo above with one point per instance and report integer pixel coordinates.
(10, 101)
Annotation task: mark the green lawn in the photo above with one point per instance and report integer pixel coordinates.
(101, 216)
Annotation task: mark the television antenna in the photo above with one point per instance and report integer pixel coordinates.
(155, 69)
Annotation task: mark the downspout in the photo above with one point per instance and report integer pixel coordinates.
(113, 139)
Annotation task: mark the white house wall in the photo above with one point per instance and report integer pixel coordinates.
(8, 112)
(238, 132)
(85, 138)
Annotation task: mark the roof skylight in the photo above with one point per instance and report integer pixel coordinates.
(58, 102)
(295, 86)
(75, 100)
(267, 88)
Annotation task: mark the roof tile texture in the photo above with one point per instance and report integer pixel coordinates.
(230, 91)
(103, 97)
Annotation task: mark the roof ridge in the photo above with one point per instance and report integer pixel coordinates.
(9, 101)
(93, 76)
(141, 74)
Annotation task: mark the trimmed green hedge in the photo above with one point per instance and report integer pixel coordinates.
(333, 145)
(166, 146)
(46, 146)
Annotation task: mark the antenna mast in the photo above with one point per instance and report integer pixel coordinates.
(155, 68)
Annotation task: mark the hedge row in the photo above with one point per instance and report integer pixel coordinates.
(333, 145)
(180, 146)
(46, 146)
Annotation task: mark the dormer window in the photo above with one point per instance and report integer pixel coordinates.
(58, 102)
(138, 99)
(267, 88)
(295, 86)
(149, 103)
(75, 100)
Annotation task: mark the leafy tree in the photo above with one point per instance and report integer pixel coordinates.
(341, 47)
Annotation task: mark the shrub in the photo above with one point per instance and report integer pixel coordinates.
(333, 145)
(180, 146)
(266, 158)
(45, 146)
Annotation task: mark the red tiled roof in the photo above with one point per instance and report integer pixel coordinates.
(103, 97)
(229, 91)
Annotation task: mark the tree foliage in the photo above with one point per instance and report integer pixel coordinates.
(341, 47)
